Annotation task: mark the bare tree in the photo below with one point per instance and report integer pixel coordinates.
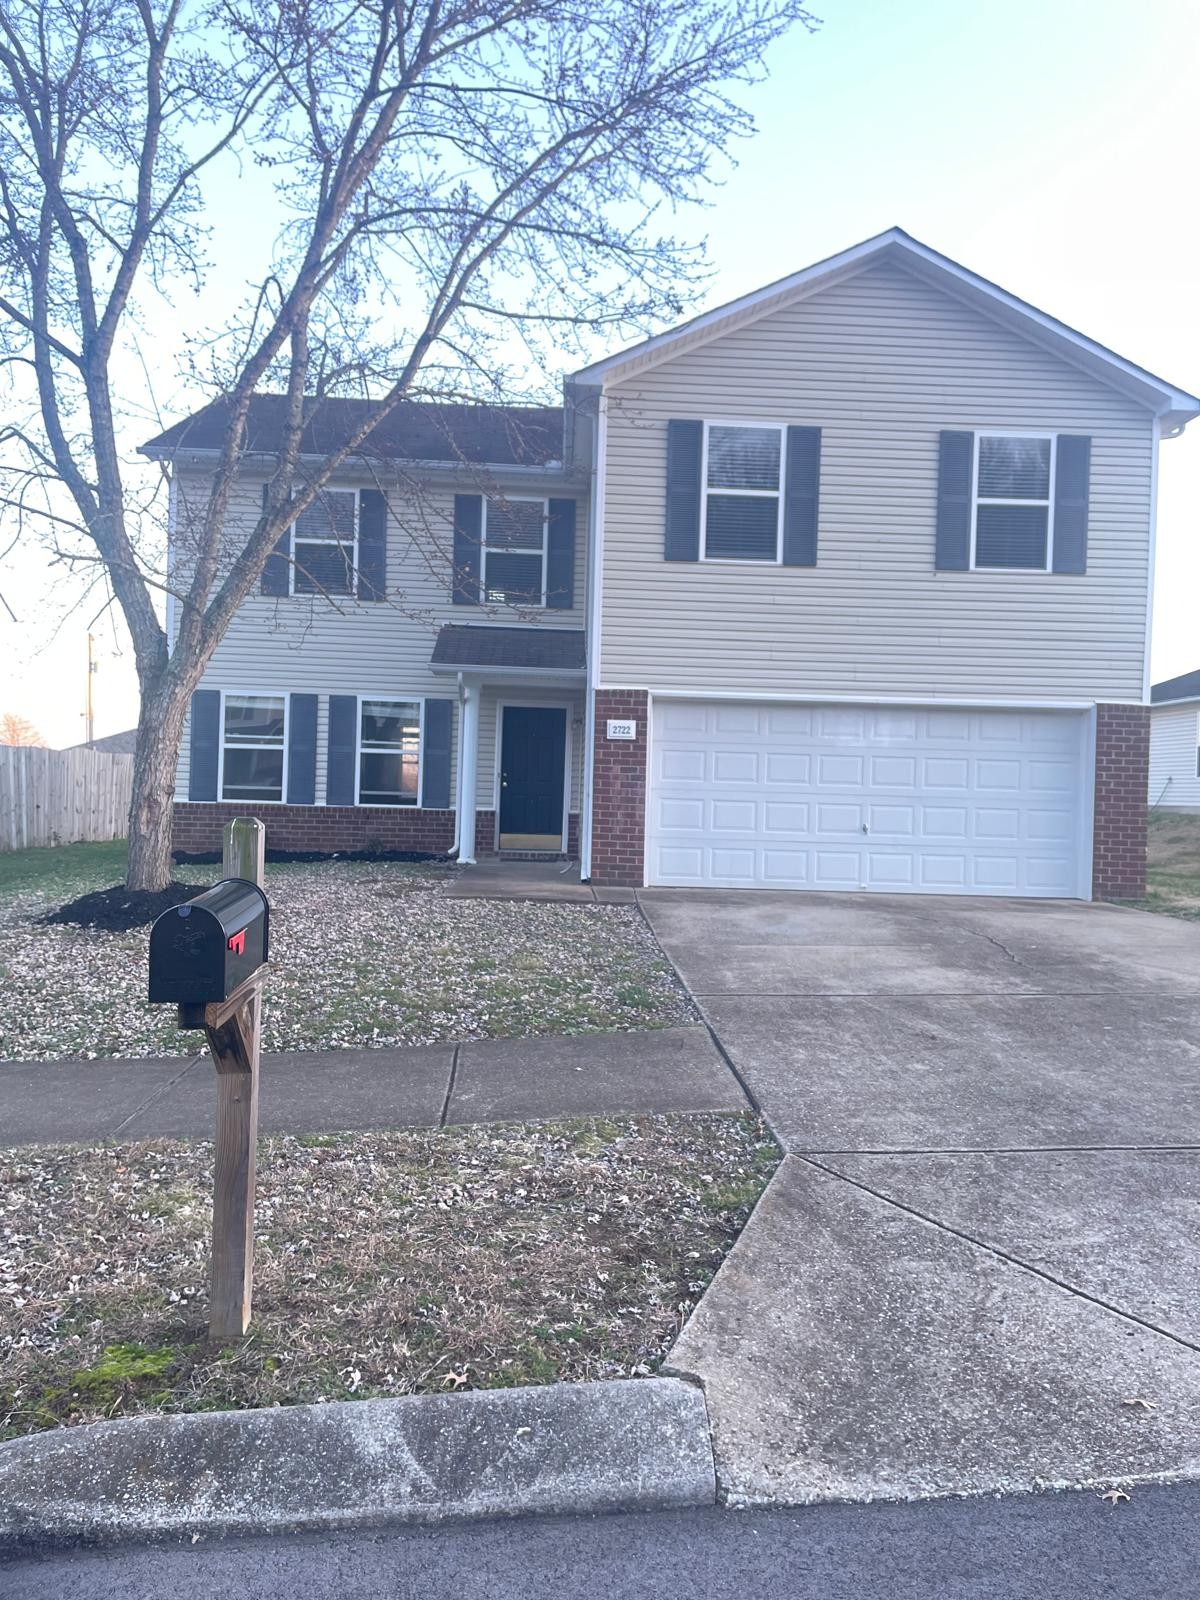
(452, 180)
(16, 729)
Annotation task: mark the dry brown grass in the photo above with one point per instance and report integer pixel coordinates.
(387, 1263)
(1173, 863)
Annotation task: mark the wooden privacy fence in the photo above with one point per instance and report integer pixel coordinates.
(62, 796)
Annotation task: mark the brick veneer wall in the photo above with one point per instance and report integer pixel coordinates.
(198, 826)
(1122, 776)
(619, 791)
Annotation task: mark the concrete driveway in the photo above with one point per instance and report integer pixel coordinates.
(979, 1266)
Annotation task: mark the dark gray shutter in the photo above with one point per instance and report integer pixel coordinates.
(956, 457)
(685, 451)
(302, 750)
(343, 750)
(1072, 475)
(276, 573)
(801, 494)
(372, 545)
(468, 537)
(205, 752)
(560, 556)
(435, 755)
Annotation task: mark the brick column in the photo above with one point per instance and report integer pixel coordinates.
(619, 791)
(1122, 776)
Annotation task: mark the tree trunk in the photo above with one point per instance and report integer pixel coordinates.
(160, 731)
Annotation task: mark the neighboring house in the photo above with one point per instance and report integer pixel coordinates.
(113, 744)
(843, 585)
(1175, 744)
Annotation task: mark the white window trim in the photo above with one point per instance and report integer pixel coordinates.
(1004, 500)
(750, 494)
(391, 695)
(516, 550)
(294, 538)
(255, 694)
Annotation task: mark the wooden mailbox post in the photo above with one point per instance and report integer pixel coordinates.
(187, 960)
(233, 1029)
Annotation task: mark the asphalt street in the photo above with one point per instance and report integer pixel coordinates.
(1074, 1546)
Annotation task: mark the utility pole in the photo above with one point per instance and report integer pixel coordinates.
(89, 714)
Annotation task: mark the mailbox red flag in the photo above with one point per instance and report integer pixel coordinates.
(237, 942)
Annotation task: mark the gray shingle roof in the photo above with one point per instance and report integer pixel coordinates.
(417, 430)
(547, 649)
(1185, 687)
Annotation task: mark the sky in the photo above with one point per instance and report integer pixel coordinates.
(1046, 144)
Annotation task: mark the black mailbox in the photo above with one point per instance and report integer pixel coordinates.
(204, 949)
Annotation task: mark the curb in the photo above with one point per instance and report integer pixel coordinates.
(566, 1449)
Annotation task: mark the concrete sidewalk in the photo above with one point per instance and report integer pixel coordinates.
(488, 1080)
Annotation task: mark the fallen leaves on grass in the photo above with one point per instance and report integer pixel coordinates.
(364, 955)
(386, 1263)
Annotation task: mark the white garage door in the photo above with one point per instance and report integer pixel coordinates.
(901, 799)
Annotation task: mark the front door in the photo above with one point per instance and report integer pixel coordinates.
(533, 749)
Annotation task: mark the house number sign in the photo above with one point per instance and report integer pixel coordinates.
(621, 728)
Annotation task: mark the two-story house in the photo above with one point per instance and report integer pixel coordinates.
(844, 585)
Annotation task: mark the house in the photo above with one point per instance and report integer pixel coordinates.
(1175, 744)
(113, 744)
(843, 585)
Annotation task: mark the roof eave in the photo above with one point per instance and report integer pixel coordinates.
(197, 456)
(570, 676)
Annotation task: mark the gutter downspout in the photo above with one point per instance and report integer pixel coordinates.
(458, 766)
(592, 642)
(468, 751)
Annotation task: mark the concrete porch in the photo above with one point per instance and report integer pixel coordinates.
(494, 879)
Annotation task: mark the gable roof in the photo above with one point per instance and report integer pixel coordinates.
(1176, 407)
(1185, 687)
(415, 430)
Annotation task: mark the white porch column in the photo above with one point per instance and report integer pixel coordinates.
(468, 748)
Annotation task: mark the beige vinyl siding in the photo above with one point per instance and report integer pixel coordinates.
(1174, 737)
(881, 362)
(305, 644)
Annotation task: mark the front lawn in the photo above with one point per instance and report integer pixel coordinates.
(386, 1263)
(366, 954)
(1173, 863)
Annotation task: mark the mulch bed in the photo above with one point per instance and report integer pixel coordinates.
(119, 909)
(387, 1263)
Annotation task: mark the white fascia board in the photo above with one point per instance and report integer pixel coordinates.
(1175, 406)
(571, 679)
(1169, 705)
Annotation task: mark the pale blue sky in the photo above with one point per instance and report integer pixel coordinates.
(1047, 144)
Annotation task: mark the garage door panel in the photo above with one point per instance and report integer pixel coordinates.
(930, 799)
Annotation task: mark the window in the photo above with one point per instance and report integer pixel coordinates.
(743, 500)
(325, 544)
(389, 748)
(1014, 492)
(514, 552)
(254, 729)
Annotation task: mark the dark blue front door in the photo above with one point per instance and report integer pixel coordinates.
(533, 748)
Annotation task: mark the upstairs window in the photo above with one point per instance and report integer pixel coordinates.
(514, 552)
(389, 752)
(253, 738)
(743, 492)
(325, 544)
(1012, 520)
